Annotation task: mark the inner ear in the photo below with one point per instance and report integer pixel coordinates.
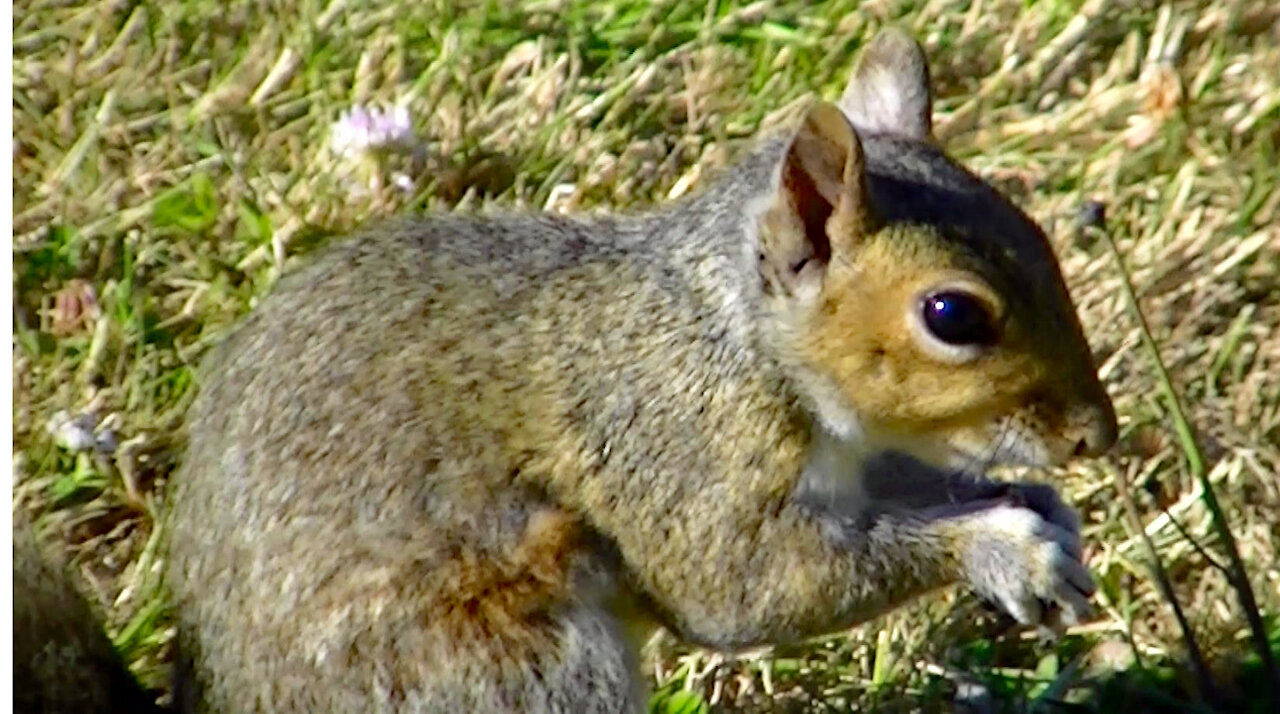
(819, 209)
(814, 210)
(890, 91)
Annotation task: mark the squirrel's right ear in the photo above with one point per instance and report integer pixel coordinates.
(890, 91)
(820, 207)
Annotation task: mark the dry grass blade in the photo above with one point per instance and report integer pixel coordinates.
(1161, 577)
(1239, 574)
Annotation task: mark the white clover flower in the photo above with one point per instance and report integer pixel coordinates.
(73, 433)
(81, 432)
(362, 129)
(402, 181)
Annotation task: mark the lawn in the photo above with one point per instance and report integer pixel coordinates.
(171, 159)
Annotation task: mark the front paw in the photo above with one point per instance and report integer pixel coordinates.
(1023, 562)
(1044, 500)
(1048, 504)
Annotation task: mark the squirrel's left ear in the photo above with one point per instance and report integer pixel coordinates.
(890, 91)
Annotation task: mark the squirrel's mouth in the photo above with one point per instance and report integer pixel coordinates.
(1001, 444)
(1005, 441)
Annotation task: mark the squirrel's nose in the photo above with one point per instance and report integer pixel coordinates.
(1093, 428)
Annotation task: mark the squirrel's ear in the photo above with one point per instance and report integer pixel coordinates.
(890, 91)
(820, 207)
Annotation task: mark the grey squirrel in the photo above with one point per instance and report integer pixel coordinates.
(464, 463)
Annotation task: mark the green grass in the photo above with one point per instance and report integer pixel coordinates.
(171, 161)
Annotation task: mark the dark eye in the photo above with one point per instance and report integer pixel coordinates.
(958, 318)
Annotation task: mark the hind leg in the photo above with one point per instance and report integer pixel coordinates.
(573, 661)
(399, 623)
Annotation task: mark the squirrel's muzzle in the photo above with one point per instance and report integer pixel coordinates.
(1092, 427)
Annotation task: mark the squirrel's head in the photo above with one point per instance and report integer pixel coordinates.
(919, 308)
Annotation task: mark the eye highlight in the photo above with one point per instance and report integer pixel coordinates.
(959, 319)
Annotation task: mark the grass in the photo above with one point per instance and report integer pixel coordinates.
(169, 163)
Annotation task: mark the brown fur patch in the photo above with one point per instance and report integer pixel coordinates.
(512, 597)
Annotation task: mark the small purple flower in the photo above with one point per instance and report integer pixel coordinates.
(362, 129)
